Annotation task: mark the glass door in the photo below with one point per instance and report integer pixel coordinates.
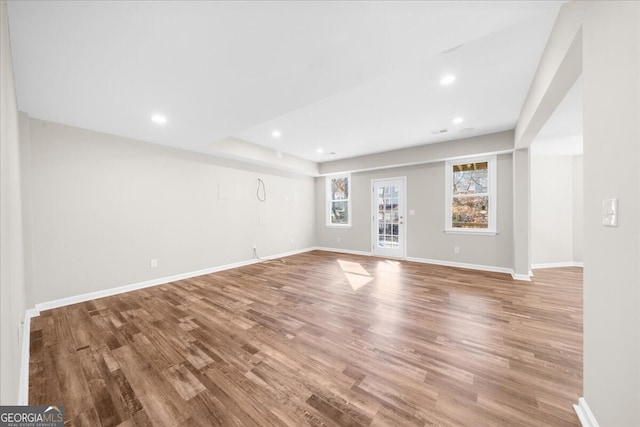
(388, 217)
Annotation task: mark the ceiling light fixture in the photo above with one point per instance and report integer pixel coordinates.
(458, 120)
(159, 119)
(320, 151)
(276, 134)
(448, 79)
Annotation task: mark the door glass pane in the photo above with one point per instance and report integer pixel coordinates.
(388, 217)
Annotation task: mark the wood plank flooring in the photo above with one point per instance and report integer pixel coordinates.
(319, 339)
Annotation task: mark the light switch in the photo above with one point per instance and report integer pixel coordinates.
(412, 212)
(610, 212)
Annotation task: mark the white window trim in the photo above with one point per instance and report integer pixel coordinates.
(492, 192)
(328, 179)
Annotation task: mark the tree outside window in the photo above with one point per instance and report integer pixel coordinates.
(470, 195)
(339, 200)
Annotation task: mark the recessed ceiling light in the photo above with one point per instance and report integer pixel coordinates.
(276, 134)
(458, 120)
(159, 119)
(448, 79)
(320, 151)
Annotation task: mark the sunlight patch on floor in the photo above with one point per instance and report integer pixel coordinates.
(357, 281)
(355, 273)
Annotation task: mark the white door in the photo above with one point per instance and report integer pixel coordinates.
(388, 213)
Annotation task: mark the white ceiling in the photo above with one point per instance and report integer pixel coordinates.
(348, 77)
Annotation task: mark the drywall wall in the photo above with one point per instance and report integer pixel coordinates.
(426, 238)
(248, 152)
(552, 213)
(521, 214)
(559, 68)
(25, 176)
(103, 207)
(611, 93)
(609, 32)
(578, 208)
(498, 142)
(12, 282)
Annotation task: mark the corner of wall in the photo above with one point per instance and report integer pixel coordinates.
(12, 287)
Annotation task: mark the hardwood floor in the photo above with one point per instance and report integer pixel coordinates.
(319, 339)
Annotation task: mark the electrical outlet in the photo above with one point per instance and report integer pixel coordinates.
(154, 263)
(291, 242)
(254, 247)
(456, 249)
(338, 239)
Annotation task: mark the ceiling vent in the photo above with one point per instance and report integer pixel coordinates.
(439, 131)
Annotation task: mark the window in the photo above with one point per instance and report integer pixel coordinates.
(339, 201)
(471, 199)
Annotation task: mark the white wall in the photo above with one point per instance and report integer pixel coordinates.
(556, 209)
(94, 193)
(578, 208)
(426, 238)
(611, 93)
(558, 69)
(521, 214)
(608, 33)
(12, 283)
(498, 142)
(104, 206)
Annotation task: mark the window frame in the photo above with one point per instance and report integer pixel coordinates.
(491, 194)
(329, 200)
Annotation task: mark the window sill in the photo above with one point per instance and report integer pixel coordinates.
(471, 232)
(338, 225)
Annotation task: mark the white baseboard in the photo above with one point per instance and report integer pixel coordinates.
(141, 285)
(34, 312)
(522, 277)
(343, 251)
(154, 282)
(557, 265)
(23, 387)
(479, 267)
(283, 254)
(587, 419)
